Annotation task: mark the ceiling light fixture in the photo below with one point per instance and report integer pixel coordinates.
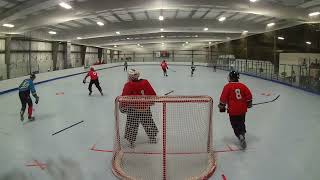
(162, 36)
(65, 5)
(196, 36)
(314, 14)
(161, 29)
(245, 32)
(187, 42)
(128, 38)
(118, 32)
(281, 38)
(8, 25)
(100, 23)
(52, 32)
(115, 46)
(253, 0)
(138, 44)
(210, 42)
(161, 18)
(271, 24)
(221, 19)
(79, 38)
(205, 29)
(308, 42)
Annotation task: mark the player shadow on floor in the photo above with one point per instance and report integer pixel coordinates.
(97, 95)
(250, 138)
(16, 174)
(64, 169)
(4, 132)
(40, 117)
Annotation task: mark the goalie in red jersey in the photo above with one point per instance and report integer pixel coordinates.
(138, 113)
(238, 98)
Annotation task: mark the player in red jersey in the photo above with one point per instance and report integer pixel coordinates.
(138, 113)
(94, 79)
(164, 67)
(238, 98)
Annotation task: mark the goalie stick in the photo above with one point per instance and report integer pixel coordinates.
(266, 101)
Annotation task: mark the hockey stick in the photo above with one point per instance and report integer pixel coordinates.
(166, 94)
(172, 70)
(67, 128)
(266, 101)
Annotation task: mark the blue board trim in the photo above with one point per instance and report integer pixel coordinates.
(62, 77)
(57, 78)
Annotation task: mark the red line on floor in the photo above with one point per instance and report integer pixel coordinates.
(37, 164)
(230, 147)
(226, 151)
(42, 166)
(101, 150)
(93, 148)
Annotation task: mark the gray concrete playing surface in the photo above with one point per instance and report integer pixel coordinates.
(282, 136)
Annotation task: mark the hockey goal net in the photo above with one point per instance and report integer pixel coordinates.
(168, 137)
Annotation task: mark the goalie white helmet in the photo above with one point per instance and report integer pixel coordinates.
(133, 75)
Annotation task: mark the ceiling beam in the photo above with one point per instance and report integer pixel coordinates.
(255, 18)
(90, 21)
(78, 23)
(66, 25)
(132, 16)
(147, 15)
(262, 18)
(18, 8)
(233, 15)
(176, 14)
(205, 14)
(117, 17)
(55, 28)
(16, 2)
(244, 18)
(192, 13)
(267, 20)
(104, 19)
(220, 14)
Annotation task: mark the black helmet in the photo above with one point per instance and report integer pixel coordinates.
(234, 76)
(32, 76)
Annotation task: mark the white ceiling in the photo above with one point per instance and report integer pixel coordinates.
(138, 19)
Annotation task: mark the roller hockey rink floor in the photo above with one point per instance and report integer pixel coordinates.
(283, 136)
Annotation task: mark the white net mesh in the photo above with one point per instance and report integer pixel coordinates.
(163, 137)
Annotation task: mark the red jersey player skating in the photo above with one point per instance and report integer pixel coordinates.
(164, 67)
(138, 113)
(94, 79)
(238, 98)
